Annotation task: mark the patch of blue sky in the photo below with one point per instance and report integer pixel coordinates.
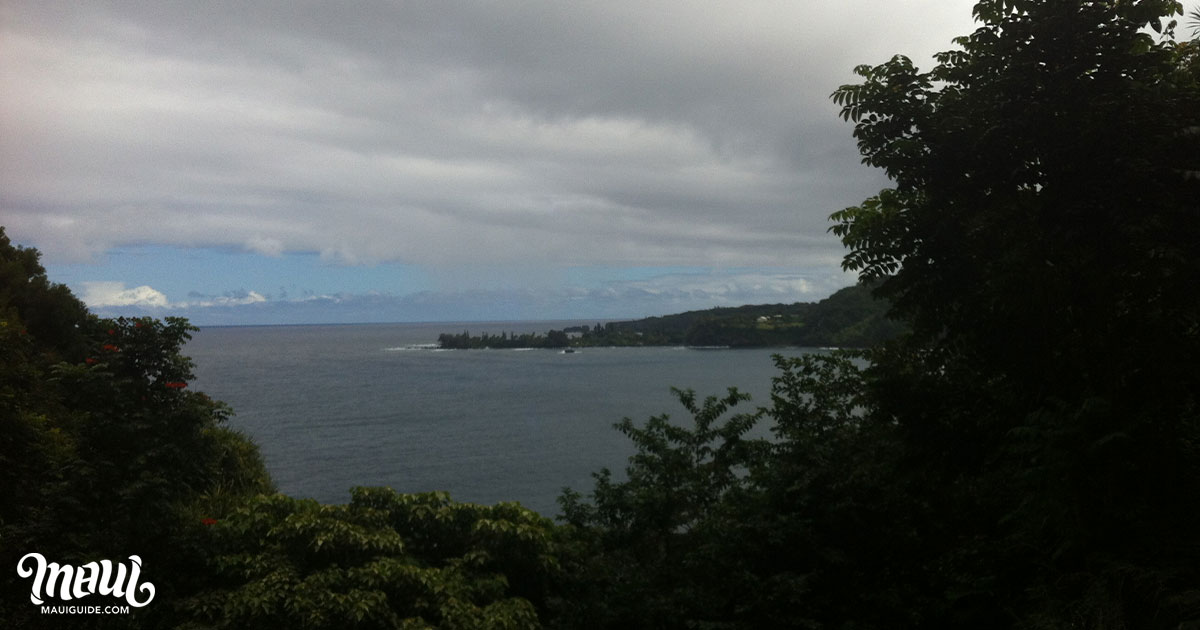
(183, 273)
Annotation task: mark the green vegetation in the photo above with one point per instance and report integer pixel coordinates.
(552, 339)
(104, 452)
(711, 529)
(384, 560)
(1025, 455)
(850, 318)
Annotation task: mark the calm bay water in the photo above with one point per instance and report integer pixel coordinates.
(377, 405)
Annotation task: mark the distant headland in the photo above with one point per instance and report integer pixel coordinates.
(850, 318)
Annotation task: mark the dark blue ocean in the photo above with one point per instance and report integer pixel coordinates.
(337, 406)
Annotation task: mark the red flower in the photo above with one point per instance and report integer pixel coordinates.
(208, 521)
(90, 360)
(176, 385)
(112, 331)
(137, 324)
(109, 347)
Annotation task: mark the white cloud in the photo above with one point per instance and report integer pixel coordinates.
(272, 247)
(109, 294)
(239, 298)
(740, 287)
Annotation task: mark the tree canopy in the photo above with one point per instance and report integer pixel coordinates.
(1045, 182)
(1043, 238)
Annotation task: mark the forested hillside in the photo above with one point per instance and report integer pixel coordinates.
(850, 318)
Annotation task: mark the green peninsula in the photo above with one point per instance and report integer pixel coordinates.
(852, 317)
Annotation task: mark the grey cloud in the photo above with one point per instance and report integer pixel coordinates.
(509, 132)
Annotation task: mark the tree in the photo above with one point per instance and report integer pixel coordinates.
(649, 540)
(713, 528)
(1042, 237)
(384, 560)
(47, 311)
(556, 339)
(1037, 187)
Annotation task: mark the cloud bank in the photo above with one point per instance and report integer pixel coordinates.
(616, 133)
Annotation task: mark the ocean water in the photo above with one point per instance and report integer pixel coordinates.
(338, 406)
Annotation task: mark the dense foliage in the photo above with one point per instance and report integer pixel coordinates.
(464, 341)
(1042, 237)
(384, 560)
(848, 318)
(714, 529)
(104, 451)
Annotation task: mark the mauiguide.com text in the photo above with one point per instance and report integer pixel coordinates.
(85, 610)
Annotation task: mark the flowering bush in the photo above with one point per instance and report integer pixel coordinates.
(104, 451)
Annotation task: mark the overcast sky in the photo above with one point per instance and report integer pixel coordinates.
(254, 162)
